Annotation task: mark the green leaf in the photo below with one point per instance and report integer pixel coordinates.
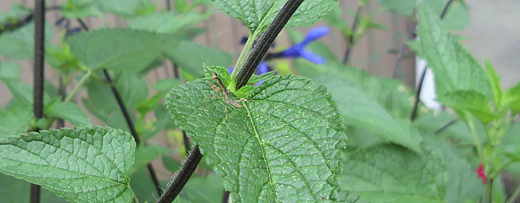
(494, 81)
(81, 165)
(146, 154)
(17, 11)
(362, 111)
(402, 7)
(439, 175)
(378, 174)
(143, 186)
(283, 145)
(511, 99)
(471, 101)
(15, 120)
(70, 112)
(123, 8)
(119, 48)
(258, 15)
(74, 9)
(9, 71)
(455, 69)
(167, 22)
(19, 44)
(190, 56)
(24, 92)
(212, 185)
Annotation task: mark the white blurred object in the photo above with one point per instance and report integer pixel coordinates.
(427, 96)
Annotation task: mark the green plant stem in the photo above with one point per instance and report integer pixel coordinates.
(514, 195)
(78, 86)
(182, 176)
(489, 191)
(264, 42)
(497, 172)
(475, 136)
(243, 55)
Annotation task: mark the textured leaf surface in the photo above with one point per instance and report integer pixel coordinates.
(454, 68)
(119, 48)
(69, 112)
(388, 173)
(362, 111)
(439, 175)
(281, 146)
(257, 15)
(81, 165)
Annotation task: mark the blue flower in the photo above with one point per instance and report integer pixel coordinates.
(299, 50)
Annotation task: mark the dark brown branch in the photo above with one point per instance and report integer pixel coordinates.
(350, 41)
(183, 176)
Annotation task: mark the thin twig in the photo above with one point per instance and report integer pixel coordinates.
(351, 37)
(131, 126)
(183, 176)
(128, 120)
(445, 126)
(39, 51)
(168, 5)
(417, 96)
(266, 39)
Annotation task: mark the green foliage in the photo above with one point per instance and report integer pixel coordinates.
(15, 119)
(80, 165)
(70, 112)
(438, 175)
(167, 22)
(258, 15)
(19, 44)
(74, 9)
(283, 167)
(190, 56)
(119, 49)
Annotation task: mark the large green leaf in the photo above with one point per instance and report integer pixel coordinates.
(9, 71)
(119, 48)
(167, 22)
(70, 112)
(257, 15)
(283, 145)
(19, 44)
(389, 173)
(191, 56)
(24, 92)
(81, 165)
(471, 101)
(362, 111)
(454, 68)
(212, 185)
(123, 8)
(15, 120)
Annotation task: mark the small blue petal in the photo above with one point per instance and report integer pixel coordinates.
(312, 57)
(230, 70)
(315, 34)
(243, 40)
(263, 68)
(293, 52)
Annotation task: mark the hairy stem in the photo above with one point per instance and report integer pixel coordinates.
(183, 176)
(266, 39)
(39, 51)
